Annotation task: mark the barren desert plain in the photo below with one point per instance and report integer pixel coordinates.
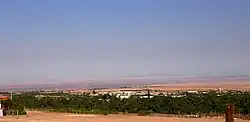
(199, 86)
(54, 117)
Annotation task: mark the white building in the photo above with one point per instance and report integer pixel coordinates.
(146, 96)
(124, 96)
(192, 92)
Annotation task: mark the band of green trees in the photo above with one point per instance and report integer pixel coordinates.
(203, 104)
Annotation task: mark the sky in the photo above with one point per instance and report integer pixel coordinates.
(63, 40)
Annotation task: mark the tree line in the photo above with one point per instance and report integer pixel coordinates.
(202, 104)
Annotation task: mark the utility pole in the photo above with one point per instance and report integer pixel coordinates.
(11, 96)
(229, 113)
(148, 92)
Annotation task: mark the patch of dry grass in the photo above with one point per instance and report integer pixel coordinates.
(55, 117)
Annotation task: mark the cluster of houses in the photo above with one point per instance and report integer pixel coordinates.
(146, 93)
(127, 93)
(122, 94)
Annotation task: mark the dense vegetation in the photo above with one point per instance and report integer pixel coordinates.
(205, 104)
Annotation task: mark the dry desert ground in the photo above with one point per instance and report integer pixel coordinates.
(54, 117)
(192, 86)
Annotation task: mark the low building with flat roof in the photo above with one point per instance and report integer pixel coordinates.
(3, 108)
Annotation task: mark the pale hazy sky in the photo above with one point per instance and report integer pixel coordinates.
(79, 39)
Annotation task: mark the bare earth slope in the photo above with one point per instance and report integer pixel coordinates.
(54, 117)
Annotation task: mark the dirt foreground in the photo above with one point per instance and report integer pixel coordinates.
(54, 117)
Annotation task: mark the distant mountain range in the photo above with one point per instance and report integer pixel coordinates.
(129, 81)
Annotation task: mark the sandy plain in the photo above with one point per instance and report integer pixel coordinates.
(55, 117)
(236, 85)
